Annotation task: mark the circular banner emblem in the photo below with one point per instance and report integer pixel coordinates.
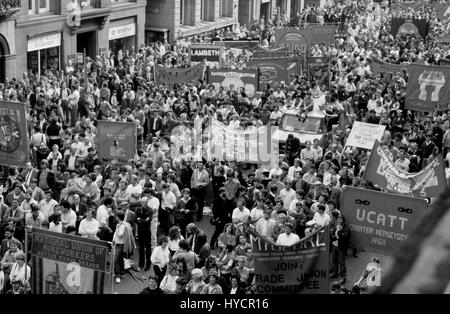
(9, 134)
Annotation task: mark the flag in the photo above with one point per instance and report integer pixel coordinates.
(381, 170)
(401, 26)
(116, 140)
(271, 70)
(298, 269)
(428, 86)
(379, 66)
(172, 76)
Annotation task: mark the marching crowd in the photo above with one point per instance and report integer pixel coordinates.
(150, 206)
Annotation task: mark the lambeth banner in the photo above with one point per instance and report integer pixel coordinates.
(210, 53)
(172, 76)
(364, 135)
(378, 221)
(428, 86)
(116, 140)
(401, 26)
(298, 269)
(379, 66)
(67, 264)
(381, 170)
(271, 70)
(239, 78)
(13, 134)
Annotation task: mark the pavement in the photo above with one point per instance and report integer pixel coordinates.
(355, 267)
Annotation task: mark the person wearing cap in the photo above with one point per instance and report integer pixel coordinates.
(266, 224)
(288, 238)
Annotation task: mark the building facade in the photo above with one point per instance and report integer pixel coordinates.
(46, 34)
(175, 19)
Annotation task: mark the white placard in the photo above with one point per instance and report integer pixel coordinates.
(363, 135)
(122, 31)
(44, 42)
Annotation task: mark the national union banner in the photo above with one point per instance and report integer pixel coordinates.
(247, 78)
(298, 269)
(380, 222)
(67, 264)
(116, 140)
(428, 86)
(172, 76)
(13, 134)
(271, 70)
(379, 66)
(381, 170)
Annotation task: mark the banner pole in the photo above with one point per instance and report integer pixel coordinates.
(26, 252)
(113, 253)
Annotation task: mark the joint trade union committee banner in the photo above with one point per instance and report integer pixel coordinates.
(239, 78)
(380, 222)
(116, 140)
(271, 70)
(172, 76)
(381, 170)
(298, 269)
(13, 134)
(428, 86)
(66, 264)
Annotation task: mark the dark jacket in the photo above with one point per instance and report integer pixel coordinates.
(344, 236)
(220, 211)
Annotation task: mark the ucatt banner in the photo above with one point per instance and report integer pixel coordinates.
(247, 79)
(116, 140)
(67, 264)
(381, 170)
(172, 76)
(379, 66)
(298, 269)
(428, 87)
(380, 222)
(364, 135)
(13, 134)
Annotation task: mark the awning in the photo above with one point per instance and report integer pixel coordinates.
(156, 29)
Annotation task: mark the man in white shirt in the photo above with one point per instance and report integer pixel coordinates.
(295, 169)
(153, 203)
(104, 211)
(134, 187)
(68, 216)
(402, 162)
(266, 224)
(288, 238)
(239, 216)
(287, 195)
(321, 218)
(168, 203)
(47, 205)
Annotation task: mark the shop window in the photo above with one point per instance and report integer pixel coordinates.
(43, 60)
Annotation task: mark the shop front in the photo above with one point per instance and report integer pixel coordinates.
(122, 35)
(44, 53)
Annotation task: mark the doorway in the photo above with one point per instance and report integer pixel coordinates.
(88, 41)
(266, 11)
(4, 51)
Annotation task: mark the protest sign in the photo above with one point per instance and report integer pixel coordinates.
(380, 221)
(298, 269)
(252, 145)
(247, 78)
(428, 87)
(239, 44)
(210, 53)
(116, 140)
(172, 76)
(271, 70)
(379, 66)
(402, 26)
(381, 170)
(364, 135)
(13, 134)
(67, 264)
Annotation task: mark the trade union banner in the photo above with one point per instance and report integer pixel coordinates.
(402, 26)
(13, 134)
(260, 52)
(247, 78)
(428, 86)
(298, 269)
(381, 170)
(364, 135)
(318, 34)
(252, 145)
(210, 53)
(291, 39)
(379, 66)
(238, 44)
(67, 264)
(319, 69)
(271, 70)
(378, 221)
(116, 140)
(172, 76)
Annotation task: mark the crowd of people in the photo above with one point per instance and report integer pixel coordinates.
(151, 206)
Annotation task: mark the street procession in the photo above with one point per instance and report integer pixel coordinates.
(224, 147)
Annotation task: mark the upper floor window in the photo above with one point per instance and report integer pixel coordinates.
(38, 6)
